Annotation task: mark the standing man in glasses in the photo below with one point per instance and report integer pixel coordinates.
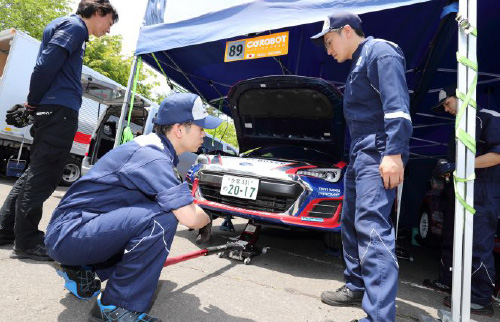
(376, 108)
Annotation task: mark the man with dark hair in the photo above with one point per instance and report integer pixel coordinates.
(119, 220)
(486, 203)
(55, 96)
(376, 108)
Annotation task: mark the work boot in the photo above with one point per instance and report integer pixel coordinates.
(37, 253)
(437, 285)
(486, 310)
(342, 296)
(80, 281)
(101, 312)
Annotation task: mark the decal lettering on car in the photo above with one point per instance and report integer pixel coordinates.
(331, 192)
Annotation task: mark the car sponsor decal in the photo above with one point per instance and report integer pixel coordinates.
(311, 219)
(329, 192)
(259, 47)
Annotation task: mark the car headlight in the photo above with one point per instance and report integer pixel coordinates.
(330, 175)
(202, 159)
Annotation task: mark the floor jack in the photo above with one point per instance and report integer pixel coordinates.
(241, 248)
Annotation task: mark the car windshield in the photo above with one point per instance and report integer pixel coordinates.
(293, 153)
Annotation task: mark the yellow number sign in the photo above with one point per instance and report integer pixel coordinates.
(258, 47)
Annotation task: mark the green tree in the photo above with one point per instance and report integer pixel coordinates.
(104, 56)
(31, 16)
(227, 132)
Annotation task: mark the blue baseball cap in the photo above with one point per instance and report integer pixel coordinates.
(335, 21)
(450, 90)
(185, 107)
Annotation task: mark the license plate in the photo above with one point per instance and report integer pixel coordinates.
(241, 187)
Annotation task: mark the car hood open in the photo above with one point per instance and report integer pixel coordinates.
(291, 110)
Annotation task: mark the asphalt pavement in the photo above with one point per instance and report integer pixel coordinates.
(283, 285)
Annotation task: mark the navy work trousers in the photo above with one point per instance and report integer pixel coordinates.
(368, 236)
(487, 205)
(127, 247)
(54, 131)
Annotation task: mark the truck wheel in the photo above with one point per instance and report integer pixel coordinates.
(72, 171)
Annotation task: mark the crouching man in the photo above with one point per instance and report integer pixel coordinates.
(119, 220)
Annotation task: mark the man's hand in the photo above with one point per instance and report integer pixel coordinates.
(392, 170)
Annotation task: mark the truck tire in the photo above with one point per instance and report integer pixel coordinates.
(72, 171)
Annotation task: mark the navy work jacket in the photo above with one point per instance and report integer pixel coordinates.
(376, 100)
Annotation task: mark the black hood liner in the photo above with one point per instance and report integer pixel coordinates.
(288, 110)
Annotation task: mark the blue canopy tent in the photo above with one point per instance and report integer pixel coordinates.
(191, 52)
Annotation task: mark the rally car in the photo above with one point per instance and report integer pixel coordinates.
(291, 173)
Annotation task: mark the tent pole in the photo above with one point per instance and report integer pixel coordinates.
(126, 100)
(465, 158)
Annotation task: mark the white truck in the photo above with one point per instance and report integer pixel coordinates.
(18, 52)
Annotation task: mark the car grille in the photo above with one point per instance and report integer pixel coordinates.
(324, 209)
(273, 195)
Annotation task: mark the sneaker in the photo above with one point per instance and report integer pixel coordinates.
(37, 253)
(80, 281)
(486, 310)
(342, 296)
(437, 286)
(101, 312)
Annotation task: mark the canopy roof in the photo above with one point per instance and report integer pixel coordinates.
(191, 52)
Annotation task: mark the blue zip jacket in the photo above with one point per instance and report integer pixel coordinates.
(138, 173)
(376, 99)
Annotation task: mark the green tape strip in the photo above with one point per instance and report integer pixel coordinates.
(462, 135)
(467, 62)
(458, 196)
(467, 140)
(464, 97)
(127, 134)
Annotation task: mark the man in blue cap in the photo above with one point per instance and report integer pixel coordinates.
(376, 108)
(118, 221)
(486, 203)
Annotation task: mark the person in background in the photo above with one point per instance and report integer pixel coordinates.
(486, 203)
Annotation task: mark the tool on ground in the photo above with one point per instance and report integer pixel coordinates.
(241, 248)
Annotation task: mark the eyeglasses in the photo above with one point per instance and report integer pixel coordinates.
(329, 43)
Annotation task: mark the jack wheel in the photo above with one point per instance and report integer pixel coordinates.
(247, 261)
